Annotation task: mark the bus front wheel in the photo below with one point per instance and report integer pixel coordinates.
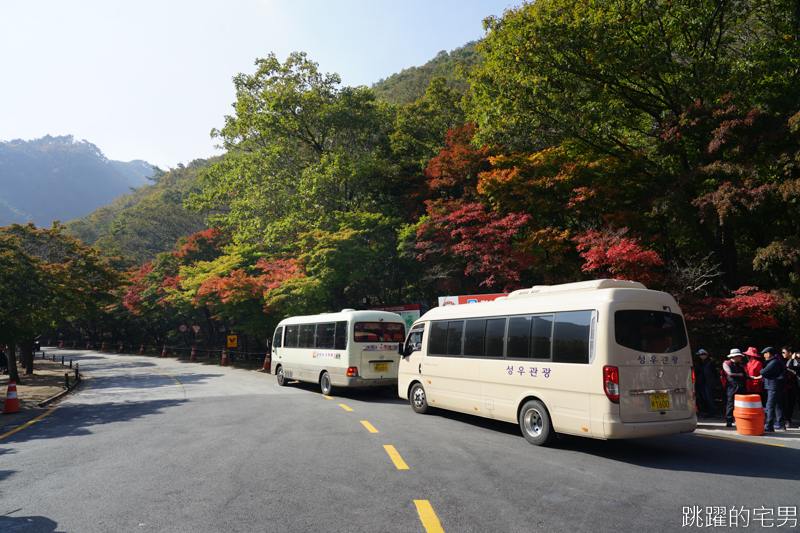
(534, 421)
(325, 384)
(282, 381)
(417, 399)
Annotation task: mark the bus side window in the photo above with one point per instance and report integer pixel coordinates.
(455, 330)
(277, 338)
(571, 337)
(541, 337)
(325, 334)
(414, 341)
(437, 344)
(340, 336)
(474, 335)
(291, 336)
(519, 335)
(495, 337)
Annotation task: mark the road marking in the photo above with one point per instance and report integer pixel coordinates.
(428, 517)
(369, 426)
(396, 459)
(28, 424)
(156, 370)
(320, 394)
(343, 406)
(740, 440)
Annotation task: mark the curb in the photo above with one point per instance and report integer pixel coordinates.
(60, 394)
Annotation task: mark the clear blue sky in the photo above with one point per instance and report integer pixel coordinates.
(149, 79)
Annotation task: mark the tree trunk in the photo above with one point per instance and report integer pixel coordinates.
(13, 375)
(26, 355)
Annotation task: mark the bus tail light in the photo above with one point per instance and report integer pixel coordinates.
(352, 372)
(692, 375)
(611, 383)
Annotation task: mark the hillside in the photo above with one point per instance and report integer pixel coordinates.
(409, 85)
(59, 178)
(146, 221)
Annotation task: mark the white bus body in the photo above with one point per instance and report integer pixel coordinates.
(346, 349)
(607, 359)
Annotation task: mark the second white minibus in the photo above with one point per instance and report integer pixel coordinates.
(347, 349)
(607, 359)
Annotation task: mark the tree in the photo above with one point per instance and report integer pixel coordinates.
(300, 150)
(51, 279)
(674, 85)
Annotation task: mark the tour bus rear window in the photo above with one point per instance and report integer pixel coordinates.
(379, 332)
(650, 331)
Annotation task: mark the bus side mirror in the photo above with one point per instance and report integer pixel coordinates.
(400, 349)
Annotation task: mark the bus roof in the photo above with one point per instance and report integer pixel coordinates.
(551, 298)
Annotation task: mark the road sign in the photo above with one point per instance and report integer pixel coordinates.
(183, 328)
(196, 328)
(233, 341)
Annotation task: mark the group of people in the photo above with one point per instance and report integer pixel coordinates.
(773, 376)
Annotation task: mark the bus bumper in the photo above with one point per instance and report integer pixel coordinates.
(616, 429)
(359, 382)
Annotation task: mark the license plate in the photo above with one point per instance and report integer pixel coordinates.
(381, 367)
(659, 402)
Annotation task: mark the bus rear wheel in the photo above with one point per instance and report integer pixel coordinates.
(534, 421)
(325, 384)
(416, 397)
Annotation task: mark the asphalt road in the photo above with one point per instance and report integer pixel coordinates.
(161, 445)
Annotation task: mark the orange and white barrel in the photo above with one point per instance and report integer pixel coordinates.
(749, 414)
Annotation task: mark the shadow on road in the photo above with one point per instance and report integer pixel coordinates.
(78, 420)
(27, 523)
(679, 453)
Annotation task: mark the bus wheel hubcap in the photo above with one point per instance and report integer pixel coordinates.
(419, 397)
(533, 422)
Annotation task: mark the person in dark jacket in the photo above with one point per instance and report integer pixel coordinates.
(774, 379)
(705, 378)
(3, 361)
(735, 381)
(790, 385)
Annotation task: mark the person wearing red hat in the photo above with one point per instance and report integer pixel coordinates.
(753, 368)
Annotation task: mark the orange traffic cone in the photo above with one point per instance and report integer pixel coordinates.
(224, 356)
(120, 347)
(12, 403)
(193, 357)
(141, 350)
(164, 351)
(267, 362)
(61, 344)
(103, 346)
(88, 345)
(74, 345)
(48, 342)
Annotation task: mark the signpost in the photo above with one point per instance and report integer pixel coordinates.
(233, 341)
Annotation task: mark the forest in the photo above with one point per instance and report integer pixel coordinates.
(639, 139)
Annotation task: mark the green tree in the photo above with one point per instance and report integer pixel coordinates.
(56, 279)
(300, 150)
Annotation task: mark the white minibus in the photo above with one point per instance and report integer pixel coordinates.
(607, 359)
(347, 349)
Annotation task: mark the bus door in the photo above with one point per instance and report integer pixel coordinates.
(450, 379)
(277, 347)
